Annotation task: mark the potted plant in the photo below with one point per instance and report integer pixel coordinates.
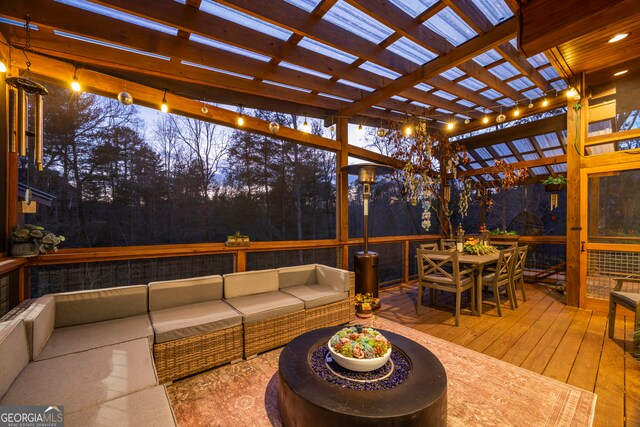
(237, 239)
(366, 304)
(473, 246)
(504, 235)
(555, 183)
(31, 240)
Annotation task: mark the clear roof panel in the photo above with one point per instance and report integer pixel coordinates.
(420, 104)
(304, 70)
(450, 26)
(423, 86)
(559, 85)
(414, 7)
(483, 153)
(489, 57)
(491, 94)
(549, 73)
(121, 16)
(504, 71)
(510, 159)
(452, 73)
(539, 170)
(115, 46)
(227, 47)
(521, 84)
(325, 50)
(533, 93)
(411, 51)
(523, 145)
(443, 111)
(399, 98)
(559, 168)
(465, 103)
(502, 150)
(351, 19)
(356, 85)
(17, 23)
(245, 20)
(552, 153)
(548, 140)
(506, 102)
(286, 86)
(380, 70)
(307, 5)
(530, 156)
(339, 98)
(495, 10)
(473, 84)
(445, 95)
(538, 60)
(217, 70)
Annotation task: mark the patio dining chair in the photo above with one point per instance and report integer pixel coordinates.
(432, 246)
(630, 299)
(440, 271)
(447, 244)
(517, 277)
(501, 276)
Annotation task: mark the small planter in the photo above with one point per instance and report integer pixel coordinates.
(552, 188)
(237, 241)
(25, 250)
(365, 310)
(504, 238)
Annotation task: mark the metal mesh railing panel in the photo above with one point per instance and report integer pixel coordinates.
(603, 267)
(276, 259)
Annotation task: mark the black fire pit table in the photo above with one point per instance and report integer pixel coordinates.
(410, 390)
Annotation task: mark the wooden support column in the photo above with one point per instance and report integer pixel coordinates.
(576, 227)
(342, 190)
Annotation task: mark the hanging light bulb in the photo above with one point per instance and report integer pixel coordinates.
(274, 127)
(572, 93)
(204, 109)
(501, 117)
(381, 132)
(240, 120)
(75, 84)
(516, 112)
(408, 130)
(450, 125)
(485, 119)
(164, 107)
(306, 128)
(545, 102)
(3, 67)
(530, 104)
(360, 128)
(125, 99)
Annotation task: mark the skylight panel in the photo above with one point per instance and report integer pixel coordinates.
(504, 71)
(245, 20)
(530, 156)
(121, 16)
(523, 145)
(356, 85)
(227, 47)
(549, 73)
(414, 7)
(299, 89)
(462, 116)
(304, 70)
(452, 73)
(473, 84)
(520, 84)
(445, 95)
(559, 85)
(399, 98)
(538, 60)
(533, 93)
(559, 168)
(465, 103)
(339, 98)
(502, 150)
(325, 50)
(115, 46)
(491, 94)
(306, 5)
(17, 23)
(450, 26)
(443, 111)
(510, 159)
(423, 86)
(507, 102)
(496, 11)
(553, 153)
(539, 170)
(474, 165)
(420, 104)
(353, 20)
(378, 69)
(217, 70)
(411, 51)
(489, 57)
(548, 140)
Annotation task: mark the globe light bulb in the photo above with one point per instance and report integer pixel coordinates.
(450, 126)
(485, 120)
(545, 102)
(3, 67)
(164, 107)
(306, 128)
(408, 131)
(240, 120)
(75, 84)
(125, 99)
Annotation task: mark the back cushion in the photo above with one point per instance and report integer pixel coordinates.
(77, 308)
(174, 293)
(250, 283)
(337, 278)
(40, 319)
(14, 352)
(298, 275)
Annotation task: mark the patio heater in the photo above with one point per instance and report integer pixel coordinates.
(365, 263)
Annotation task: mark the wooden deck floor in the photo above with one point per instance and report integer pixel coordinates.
(542, 335)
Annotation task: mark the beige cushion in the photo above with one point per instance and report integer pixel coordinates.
(194, 319)
(256, 308)
(443, 280)
(76, 308)
(148, 407)
(74, 339)
(334, 277)
(84, 379)
(40, 319)
(250, 283)
(295, 276)
(316, 295)
(14, 352)
(174, 293)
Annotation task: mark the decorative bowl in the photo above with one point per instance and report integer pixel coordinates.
(359, 365)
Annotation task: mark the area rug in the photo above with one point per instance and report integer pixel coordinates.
(482, 391)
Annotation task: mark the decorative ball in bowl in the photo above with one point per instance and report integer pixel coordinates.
(359, 349)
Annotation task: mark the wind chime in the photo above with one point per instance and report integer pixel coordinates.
(554, 201)
(20, 90)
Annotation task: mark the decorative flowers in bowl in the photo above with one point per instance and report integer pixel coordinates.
(359, 349)
(474, 247)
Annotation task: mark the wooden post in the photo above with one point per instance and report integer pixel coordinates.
(241, 261)
(577, 117)
(407, 259)
(342, 191)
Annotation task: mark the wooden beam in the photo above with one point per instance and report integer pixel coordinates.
(533, 128)
(467, 51)
(612, 137)
(519, 165)
(364, 154)
(342, 182)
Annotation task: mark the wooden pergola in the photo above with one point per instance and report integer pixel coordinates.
(368, 62)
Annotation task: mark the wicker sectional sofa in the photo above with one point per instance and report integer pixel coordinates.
(104, 354)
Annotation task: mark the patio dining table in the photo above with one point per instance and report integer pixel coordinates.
(478, 262)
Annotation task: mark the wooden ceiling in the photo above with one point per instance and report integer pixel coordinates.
(366, 59)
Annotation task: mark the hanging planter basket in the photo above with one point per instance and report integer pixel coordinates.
(552, 188)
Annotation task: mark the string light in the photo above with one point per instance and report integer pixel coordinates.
(516, 112)
(3, 67)
(408, 130)
(572, 93)
(545, 102)
(360, 128)
(530, 104)
(164, 107)
(450, 125)
(485, 119)
(306, 128)
(240, 120)
(75, 84)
